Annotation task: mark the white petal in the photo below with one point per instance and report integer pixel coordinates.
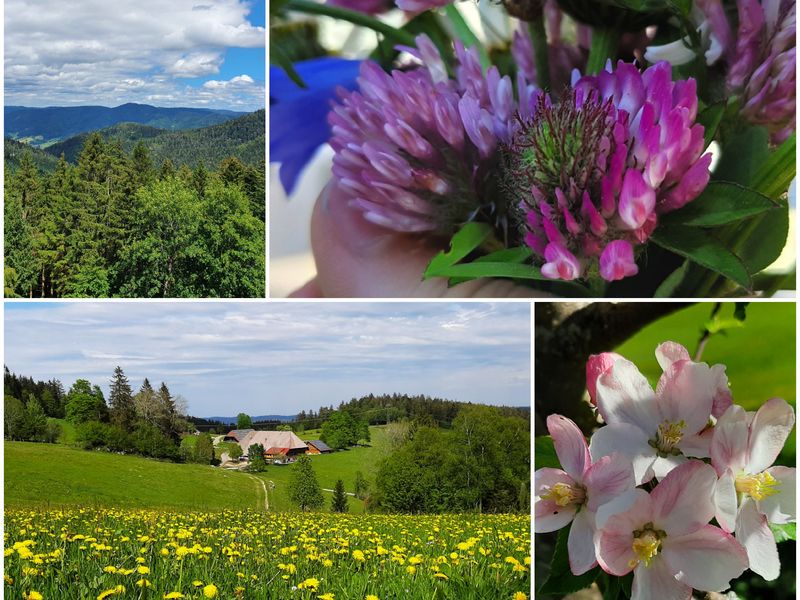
(607, 478)
(706, 559)
(683, 502)
(781, 508)
(635, 505)
(625, 396)
(580, 543)
(570, 446)
(771, 426)
(755, 535)
(729, 442)
(664, 464)
(554, 521)
(685, 392)
(675, 53)
(628, 440)
(725, 501)
(548, 516)
(670, 352)
(657, 582)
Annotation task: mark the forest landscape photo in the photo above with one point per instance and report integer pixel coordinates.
(134, 149)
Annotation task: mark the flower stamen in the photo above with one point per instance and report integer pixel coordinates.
(758, 486)
(667, 437)
(564, 494)
(646, 545)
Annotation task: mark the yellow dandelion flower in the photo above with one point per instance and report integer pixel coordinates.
(328, 596)
(143, 583)
(8, 580)
(312, 583)
(441, 576)
(210, 591)
(117, 589)
(32, 595)
(358, 555)
(411, 570)
(520, 596)
(143, 570)
(327, 562)
(372, 597)
(173, 595)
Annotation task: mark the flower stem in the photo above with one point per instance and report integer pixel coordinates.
(351, 16)
(540, 53)
(604, 46)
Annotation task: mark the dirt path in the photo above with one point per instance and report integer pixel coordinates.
(331, 491)
(264, 487)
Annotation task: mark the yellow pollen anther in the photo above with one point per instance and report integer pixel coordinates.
(645, 547)
(563, 494)
(757, 486)
(670, 434)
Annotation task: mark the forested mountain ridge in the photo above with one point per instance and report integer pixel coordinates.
(52, 123)
(242, 137)
(13, 151)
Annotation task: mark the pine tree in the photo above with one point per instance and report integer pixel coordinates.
(167, 417)
(121, 408)
(339, 501)
(304, 489)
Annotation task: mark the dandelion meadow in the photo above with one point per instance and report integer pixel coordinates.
(110, 553)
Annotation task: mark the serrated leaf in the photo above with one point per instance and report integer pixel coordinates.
(672, 282)
(561, 580)
(710, 118)
(544, 453)
(784, 533)
(465, 240)
(700, 247)
(720, 203)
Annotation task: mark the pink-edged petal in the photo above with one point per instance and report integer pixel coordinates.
(549, 516)
(729, 442)
(697, 445)
(625, 396)
(771, 426)
(781, 508)
(570, 446)
(706, 559)
(683, 501)
(755, 535)
(580, 543)
(726, 503)
(637, 200)
(657, 582)
(561, 263)
(617, 262)
(685, 392)
(616, 521)
(664, 465)
(670, 352)
(596, 366)
(607, 478)
(628, 440)
(723, 399)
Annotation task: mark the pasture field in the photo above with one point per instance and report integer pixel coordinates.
(75, 554)
(57, 476)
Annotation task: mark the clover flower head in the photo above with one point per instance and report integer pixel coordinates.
(592, 172)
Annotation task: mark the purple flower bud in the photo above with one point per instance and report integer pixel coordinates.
(561, 263)
(616, 261)
(478, 124)
(636, 200)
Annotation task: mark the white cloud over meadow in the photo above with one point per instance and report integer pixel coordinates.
(108, 53)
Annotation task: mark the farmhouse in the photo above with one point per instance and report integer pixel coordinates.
(237, 435)
(279, 446)
(318, 447)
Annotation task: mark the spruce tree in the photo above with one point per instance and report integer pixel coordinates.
(304, 489)
(339, 502)
(120, 400)
(167, 417)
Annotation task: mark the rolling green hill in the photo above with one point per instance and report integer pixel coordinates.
(57, 475)
(13, 150)
(242, 137)
(42, 126)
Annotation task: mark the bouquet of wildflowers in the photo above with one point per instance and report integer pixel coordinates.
(677, 491)
(609, 147)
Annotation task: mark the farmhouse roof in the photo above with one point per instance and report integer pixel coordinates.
(320, 445)
(238, 434)
(273, 439)
(273, 451)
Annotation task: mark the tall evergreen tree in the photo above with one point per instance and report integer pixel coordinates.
(304, 489)
(121, 408)
(167, 417)
(339, 501)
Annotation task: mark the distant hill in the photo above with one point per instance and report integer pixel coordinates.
(232, 420)
(242, 137)
(41, 126)
(13, 150)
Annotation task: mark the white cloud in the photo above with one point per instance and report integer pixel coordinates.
(89, 51)
(240, 81)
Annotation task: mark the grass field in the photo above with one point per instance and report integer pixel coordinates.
(56, 475)
(68, 433)
(80, 554)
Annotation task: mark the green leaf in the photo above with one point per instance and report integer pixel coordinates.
(702, 248)
(784, 533)
(710, 118)
(721, 202)
(478, 269)
(672, 282)
(507, 255)
(718, 324)
(278, 57)
(466, 35)
(561, 580)
(762, 238)
(738, 166)
(465, 240)
(544, 453)
(775, 175)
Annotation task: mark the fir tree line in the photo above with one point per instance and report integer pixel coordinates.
(115, 224)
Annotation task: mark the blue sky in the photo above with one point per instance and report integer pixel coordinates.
(279, 358)
(204, 53)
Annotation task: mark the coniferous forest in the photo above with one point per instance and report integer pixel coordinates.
(117, 223)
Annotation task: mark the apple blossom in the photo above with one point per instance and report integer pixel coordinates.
(574, 494)
(751, 493)
(665, 539)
